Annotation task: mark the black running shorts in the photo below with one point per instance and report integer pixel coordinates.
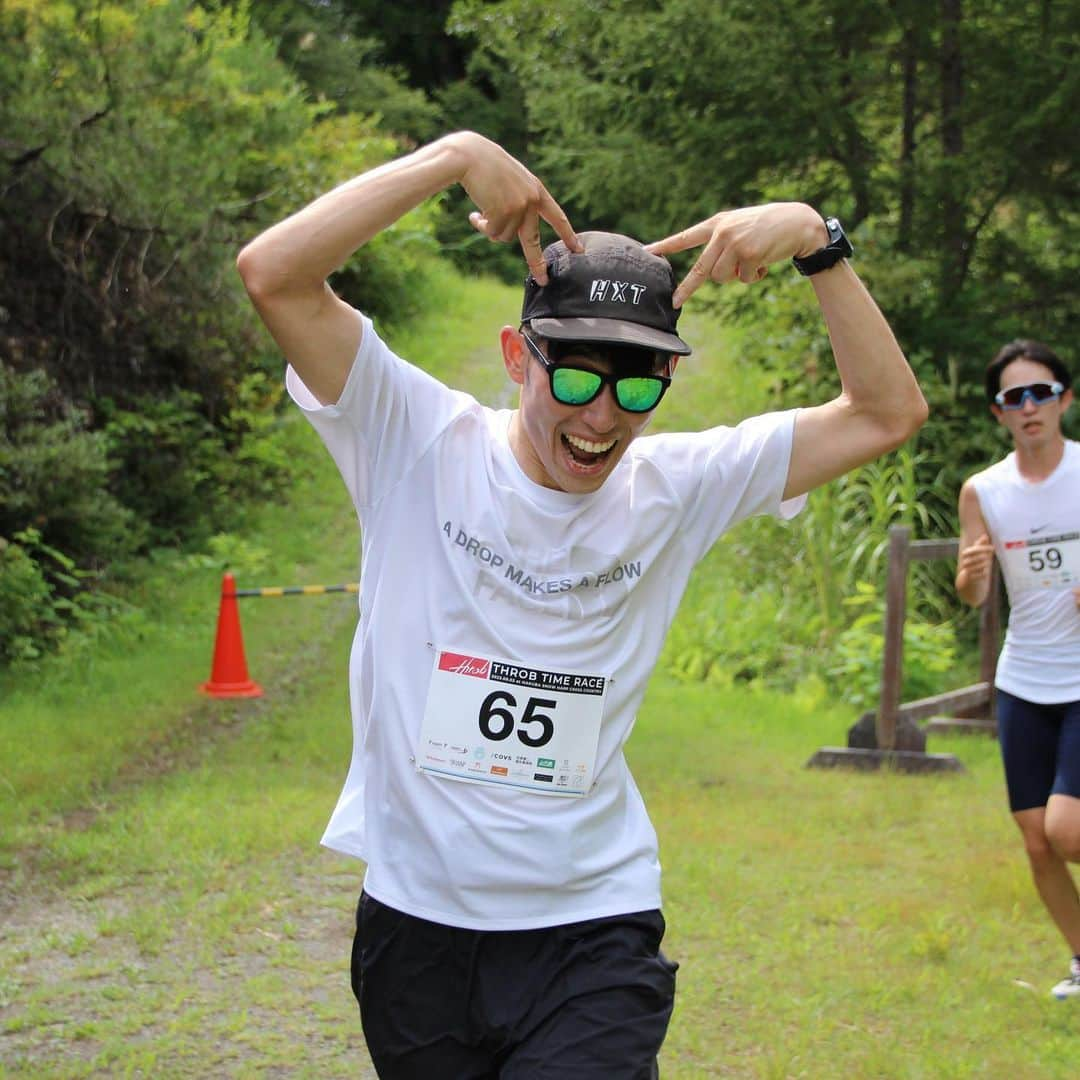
(1040, 745)
(589, 1000)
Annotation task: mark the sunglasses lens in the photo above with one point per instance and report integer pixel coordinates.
(638, 395)
(573, 386)
(1040, 393)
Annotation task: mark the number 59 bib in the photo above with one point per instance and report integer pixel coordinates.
(1042, 562)
(491, 721)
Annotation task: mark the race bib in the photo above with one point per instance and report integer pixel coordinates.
(498, 722)
(1042, 562)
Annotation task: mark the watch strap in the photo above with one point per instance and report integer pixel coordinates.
(838, 247)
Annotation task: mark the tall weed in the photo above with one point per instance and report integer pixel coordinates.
(783, 603)
(845, 534)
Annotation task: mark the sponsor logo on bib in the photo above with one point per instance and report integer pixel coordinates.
(459, 664)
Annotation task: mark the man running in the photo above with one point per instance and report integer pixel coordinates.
(520, 570)
(1026, 511)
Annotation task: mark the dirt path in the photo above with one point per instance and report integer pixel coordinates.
(105, 977)
(78, 997)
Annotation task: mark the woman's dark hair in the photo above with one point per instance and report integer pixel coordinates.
(1027, 350)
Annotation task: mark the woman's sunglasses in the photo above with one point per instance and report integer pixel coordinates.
(574, 385)
(1039, 392)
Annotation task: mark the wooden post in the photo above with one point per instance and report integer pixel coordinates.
(893, 722)
(892, 664)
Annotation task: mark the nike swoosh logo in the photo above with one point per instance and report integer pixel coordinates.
(1041, 527)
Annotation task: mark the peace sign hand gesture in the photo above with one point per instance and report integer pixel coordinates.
(744, 243)
(511, 201)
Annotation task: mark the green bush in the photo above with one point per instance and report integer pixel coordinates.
(54, 474)
(854, 663)
(161, 454)
(184, 476)
(75, 501)
(27, 617)
(253, 460)
(779, 602)
(738, 625)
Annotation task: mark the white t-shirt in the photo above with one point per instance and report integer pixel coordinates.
(1035, 528)
(463, 552)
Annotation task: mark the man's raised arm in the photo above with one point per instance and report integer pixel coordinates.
(880, 404)
(285, 268)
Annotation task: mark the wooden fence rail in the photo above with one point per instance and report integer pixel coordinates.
(976, 700)
(892, 732)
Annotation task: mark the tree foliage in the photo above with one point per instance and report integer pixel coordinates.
(141, 143)
(329, 45)
(944, 134)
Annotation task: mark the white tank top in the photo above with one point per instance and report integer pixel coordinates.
(1035, 528)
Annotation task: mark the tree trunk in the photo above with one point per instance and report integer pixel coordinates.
(952, 145)
(855, 153)
(910, 62)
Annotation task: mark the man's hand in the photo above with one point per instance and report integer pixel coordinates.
(880, 404)
(976, 556)
(1076, 596)
(510, 200)
(744, 243)
(285, 269)
(974, 563)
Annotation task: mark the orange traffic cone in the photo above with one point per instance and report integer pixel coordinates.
(229, 676)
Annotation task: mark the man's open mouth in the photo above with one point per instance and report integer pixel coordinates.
(585, 452)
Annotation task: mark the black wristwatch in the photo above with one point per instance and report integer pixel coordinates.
(839, 247)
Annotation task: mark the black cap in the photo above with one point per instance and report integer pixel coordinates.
(615, 293)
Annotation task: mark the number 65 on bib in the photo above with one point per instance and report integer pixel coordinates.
(509, 724)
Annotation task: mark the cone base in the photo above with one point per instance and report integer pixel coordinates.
(246, 689)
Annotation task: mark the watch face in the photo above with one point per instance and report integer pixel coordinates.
(838, 241)
(838, 247)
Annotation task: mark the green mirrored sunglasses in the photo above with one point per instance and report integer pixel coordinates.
(572, 384)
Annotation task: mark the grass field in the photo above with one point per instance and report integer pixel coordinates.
(166, 911)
